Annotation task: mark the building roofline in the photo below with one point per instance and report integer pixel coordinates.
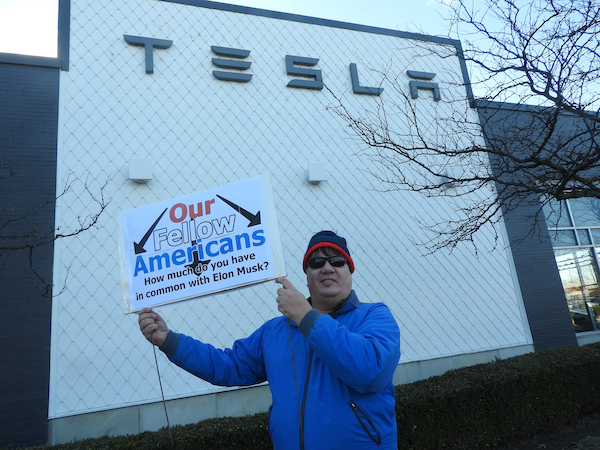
(520, 107)
(313, 20)
(337, 24)
(64, 19)
(62, 59)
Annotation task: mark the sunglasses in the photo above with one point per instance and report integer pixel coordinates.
(334, 261)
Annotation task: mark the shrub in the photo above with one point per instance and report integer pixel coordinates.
(474, 407)
(239, 433)
(498, 402)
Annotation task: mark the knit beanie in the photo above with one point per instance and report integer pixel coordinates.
(328, 239)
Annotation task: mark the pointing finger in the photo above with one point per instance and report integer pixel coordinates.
(285, 283)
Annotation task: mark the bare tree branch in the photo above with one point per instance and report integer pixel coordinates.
(30, 227)
(14, 237)
(544, 53)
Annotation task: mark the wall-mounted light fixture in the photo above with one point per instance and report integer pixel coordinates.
(140, 170)
(445, 182)
(316, 173)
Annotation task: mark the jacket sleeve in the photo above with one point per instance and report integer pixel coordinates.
(364, 358)
(241, 365)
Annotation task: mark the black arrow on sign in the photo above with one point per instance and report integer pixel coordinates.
(139, 248)
(253, 218)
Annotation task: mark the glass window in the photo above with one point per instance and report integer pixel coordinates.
(579, 275)
(578, 266)
(595, 235)
(586, 212)
(562, 238)
(556, 214)
(584, 237)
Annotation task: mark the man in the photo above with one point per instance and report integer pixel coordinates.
(329, 359)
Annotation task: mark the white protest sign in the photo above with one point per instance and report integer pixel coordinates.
(200, 244)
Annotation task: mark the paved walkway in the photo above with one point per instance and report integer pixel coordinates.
(583, 436)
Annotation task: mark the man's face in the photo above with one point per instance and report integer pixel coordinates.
(328, 285)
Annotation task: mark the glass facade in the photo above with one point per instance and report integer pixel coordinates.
(574, 227)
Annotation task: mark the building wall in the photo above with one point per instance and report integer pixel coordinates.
(539, 280)
(151, 416)
(28, 135)
(542, 290)
(454, 309)
(201, 132)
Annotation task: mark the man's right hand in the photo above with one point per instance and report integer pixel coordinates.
(152, 326)
(291, 302)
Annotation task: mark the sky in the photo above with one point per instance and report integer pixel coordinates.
(29, 27)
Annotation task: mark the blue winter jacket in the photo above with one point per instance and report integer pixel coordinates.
(334, 392)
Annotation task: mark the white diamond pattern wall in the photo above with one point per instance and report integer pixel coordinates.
(201, 133)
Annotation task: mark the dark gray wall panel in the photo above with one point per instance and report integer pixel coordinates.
(541, 287)
(28, 134)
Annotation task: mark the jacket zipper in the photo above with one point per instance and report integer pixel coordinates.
(310, 354)
(359, 412)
